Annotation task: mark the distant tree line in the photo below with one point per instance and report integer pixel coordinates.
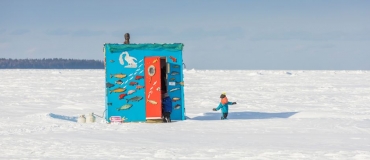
(50, 63)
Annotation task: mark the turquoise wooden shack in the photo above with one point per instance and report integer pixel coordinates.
(137, 75)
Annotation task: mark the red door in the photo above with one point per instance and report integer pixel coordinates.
(153, 87)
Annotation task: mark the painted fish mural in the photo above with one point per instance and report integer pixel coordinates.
(121, 96)
(124, 107)
(173, 59)
(118, 90)
(152, 102)
(119, 75)
(175, 89)
(155, 61)
(109, 85)
(119, 82)
(138, 87)
(133, 83)
(177, 106)
(136, 98)
(127, 72)
(131, 91)
(175, 99)
(139, 77)
(174, 73)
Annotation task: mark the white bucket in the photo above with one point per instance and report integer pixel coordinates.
(81, 119)
(90, 118)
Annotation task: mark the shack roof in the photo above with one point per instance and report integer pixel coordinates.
(145, 46)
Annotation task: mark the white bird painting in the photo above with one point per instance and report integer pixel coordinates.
(130, 60)
(121, 61)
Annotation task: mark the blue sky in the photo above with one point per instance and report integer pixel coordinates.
(263, 34)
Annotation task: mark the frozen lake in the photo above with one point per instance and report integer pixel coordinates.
(279, 115)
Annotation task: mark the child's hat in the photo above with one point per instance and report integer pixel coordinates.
(223, 93)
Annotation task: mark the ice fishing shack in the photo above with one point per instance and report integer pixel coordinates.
(136, 75)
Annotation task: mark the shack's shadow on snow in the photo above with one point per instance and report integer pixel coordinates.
(63, 117)
(244, 115)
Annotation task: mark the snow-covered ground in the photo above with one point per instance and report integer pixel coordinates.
(279, 115)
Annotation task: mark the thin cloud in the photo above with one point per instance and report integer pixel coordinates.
(19, 32)
(87, 32)
(31, 50)
(311, 36)
(200, 33)
(187, 34)
(75, 33)
(58, 32)
(2, 31)
(4, 45)
(138, 32)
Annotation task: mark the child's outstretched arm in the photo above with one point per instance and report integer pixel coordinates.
(219, 107)
(231, 103)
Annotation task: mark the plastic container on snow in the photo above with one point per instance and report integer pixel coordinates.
(81, 119)
(90, 118)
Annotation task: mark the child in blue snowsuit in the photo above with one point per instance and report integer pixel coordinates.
(224, 106)
(166, 108)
